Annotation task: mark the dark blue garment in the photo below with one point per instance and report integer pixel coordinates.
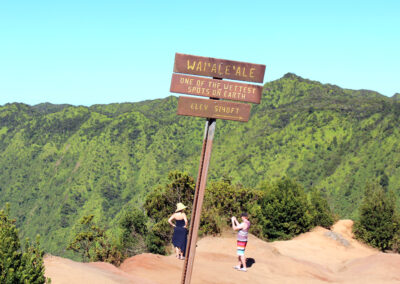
(179, 238)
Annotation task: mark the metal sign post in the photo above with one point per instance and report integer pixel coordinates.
(198, 200)
(211, 109)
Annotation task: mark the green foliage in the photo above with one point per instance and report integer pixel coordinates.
(84, 241)
(285, 210)
(92, 244)
(17, 265)
(159, 237)
(104, 159)
(223, 200)
(378, 225)
(134, 231)
(161, 203)
(321, 212)
(278, 211)
(32, 262)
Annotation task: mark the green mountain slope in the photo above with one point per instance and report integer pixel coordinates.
(60, 162)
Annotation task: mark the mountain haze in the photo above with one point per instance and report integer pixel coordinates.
(61, 162)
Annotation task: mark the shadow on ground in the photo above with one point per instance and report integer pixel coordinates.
(250, 261)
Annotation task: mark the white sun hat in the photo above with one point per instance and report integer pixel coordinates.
(180, 207)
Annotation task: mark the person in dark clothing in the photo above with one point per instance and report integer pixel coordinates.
(179, 238)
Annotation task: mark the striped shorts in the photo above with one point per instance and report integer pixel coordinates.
(241, 242)
(241, 246)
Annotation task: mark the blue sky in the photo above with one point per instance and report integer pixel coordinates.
(97, 52)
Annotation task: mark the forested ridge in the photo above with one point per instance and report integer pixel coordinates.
(59, 163)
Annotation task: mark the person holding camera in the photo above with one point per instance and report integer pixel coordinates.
(242, 237)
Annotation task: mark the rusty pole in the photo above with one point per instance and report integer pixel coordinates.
(198, 200)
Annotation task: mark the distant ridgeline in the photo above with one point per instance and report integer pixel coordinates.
(61, 162)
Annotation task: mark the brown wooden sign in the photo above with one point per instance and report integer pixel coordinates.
(213, 109)
(200, 86)
(219, 68)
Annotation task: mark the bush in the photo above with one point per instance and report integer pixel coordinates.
(285, 210)
(223, 200)
(278, 211)
(159, 237)
(134, 230)
(378, 222)
(320, 211)
(92, 243)
(16, 265)
(161, 203)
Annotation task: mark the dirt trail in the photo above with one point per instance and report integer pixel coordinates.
(319, 256)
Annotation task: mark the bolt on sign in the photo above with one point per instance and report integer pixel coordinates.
(216, 107)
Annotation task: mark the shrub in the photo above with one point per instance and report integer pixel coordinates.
(161, 203)
(92, 243)
(278, 211)
(134, 230)
(378, 221)
(223, 200)
(17, 265)
(320, 211)
(159, 237)
(285, 211)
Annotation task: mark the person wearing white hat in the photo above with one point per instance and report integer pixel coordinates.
(179, 238)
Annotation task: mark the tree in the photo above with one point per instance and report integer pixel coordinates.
(16, 265)
(378, 222)
(320, 211)
(134, 230)
(85, 239)
(285, 211)
(92, 243)
(277, 211)
(161, 203)
(223, 200)
(32, 261)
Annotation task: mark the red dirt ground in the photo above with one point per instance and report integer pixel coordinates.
(319, 256)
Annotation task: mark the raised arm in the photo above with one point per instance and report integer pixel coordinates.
(235, 224)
